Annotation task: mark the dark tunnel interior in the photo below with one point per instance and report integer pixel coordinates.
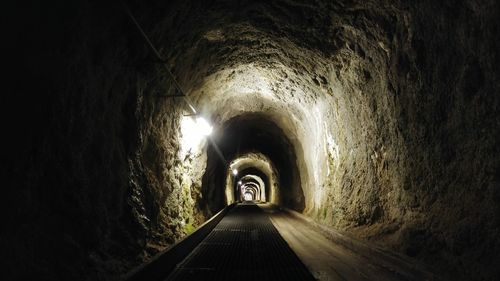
(255, 172)
(372, 120)
(249, 133)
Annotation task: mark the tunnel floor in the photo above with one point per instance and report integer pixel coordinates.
(245, 245)
(333, 256)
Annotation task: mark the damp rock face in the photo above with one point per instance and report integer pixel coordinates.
(380, 117)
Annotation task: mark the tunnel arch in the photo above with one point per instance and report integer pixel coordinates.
(254, 188)
(248, 196)
(413, 119)
(258, 134)
(261, 166)
(262, 178)
(256, 181)
(254, 165)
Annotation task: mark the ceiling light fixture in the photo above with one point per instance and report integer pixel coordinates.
(204, 127)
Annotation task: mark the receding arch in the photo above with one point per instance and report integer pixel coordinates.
(255, 182)
(258, 167)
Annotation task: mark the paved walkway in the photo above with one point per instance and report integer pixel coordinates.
(349, 259)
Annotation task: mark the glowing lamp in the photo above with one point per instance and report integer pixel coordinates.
(203, 126)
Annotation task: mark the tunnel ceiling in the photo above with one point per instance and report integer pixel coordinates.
(255, 133)
(224, 35)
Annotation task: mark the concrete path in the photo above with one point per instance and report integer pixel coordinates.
(344, 260)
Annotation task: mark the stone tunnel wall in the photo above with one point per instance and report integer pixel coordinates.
(448, 114)
(95, 182)
(411, 124)
(98, 180)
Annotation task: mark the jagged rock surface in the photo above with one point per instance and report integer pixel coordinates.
(391, 108)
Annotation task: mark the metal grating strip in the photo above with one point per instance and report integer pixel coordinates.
(245, 245)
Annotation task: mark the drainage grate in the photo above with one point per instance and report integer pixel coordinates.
(245, 245)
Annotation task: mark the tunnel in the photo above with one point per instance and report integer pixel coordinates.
(252, 184)
(342, 140)
(257, 138)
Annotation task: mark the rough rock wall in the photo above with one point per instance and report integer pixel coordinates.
(402, 95)
(420, 175)
(411, 125)
(94, 180)
(448, 112)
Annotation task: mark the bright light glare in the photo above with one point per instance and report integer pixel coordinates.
(235, 172)
(239, 182)
(247, 196)
(193, 132)
(204, 127)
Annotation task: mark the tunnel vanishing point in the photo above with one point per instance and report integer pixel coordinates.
(342, 139)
